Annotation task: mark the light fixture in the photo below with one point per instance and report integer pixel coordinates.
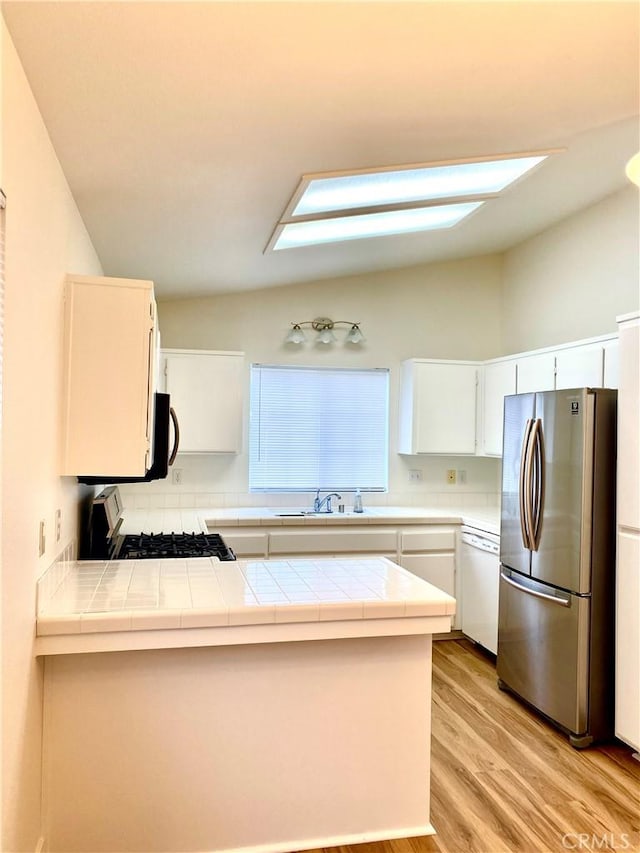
(328, 207)
(324, 326)
(633, 169)
(380, 224)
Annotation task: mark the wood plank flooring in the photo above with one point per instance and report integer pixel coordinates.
(504, 780)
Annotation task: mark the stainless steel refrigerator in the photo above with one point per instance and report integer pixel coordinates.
(557, 554)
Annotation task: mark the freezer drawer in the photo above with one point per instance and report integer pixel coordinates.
(543, 642)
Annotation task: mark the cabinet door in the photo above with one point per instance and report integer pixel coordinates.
(109, 376)
(206, 390)
(499, 381)
(360, 540)
(436, 569)
(611, 363)
(581, 367)
(445, 408)
(536, 373)
(627, 726)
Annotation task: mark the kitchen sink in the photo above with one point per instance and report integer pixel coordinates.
(311, 514)
(300, 514)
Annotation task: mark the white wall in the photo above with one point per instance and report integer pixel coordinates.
(449, 310)
(571, 281)
(45, 239)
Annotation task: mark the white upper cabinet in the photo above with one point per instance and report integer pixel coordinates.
(580, 367)
(499, 380)
(592, 363)
(438, 407)
(536, 372)
(206, 389)
(109, 376)
(611, 363)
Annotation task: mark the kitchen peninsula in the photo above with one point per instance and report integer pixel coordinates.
(249, 706)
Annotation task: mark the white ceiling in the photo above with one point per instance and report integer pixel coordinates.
(184, 128)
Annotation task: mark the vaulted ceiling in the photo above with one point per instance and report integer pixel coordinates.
(184, 127)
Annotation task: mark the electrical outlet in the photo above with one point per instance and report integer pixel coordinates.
(415, 475)
(41, 540)
(58, 524)
(451, 476)
(462, 477)
(176, 476)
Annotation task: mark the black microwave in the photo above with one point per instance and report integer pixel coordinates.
(163, 458)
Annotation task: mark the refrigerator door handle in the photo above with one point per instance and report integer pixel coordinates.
(554, 599)
(523, 486)
(538, 480)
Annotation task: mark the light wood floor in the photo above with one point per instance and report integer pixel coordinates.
(504, 780)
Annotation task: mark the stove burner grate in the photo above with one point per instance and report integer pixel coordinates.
(148, 546)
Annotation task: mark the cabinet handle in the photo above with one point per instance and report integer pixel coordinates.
(176, 435)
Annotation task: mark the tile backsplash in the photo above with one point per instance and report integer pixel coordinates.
(53, 577)
(137, 498)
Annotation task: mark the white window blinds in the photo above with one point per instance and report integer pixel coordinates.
(318, 428)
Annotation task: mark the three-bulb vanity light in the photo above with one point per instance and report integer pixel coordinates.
(324, 327)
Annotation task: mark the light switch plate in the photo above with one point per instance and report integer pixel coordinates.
(41, 539)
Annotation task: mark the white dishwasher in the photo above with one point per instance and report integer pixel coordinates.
(480, 579)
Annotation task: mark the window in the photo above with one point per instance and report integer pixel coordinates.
(318, 428)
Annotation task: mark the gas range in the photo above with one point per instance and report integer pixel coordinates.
(103, 541)
(157, 546)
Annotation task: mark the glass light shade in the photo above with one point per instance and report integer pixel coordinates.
(633, 169)
(296, 336)
(373, 224)
(323, 195)
(325, 336)
(354, 335)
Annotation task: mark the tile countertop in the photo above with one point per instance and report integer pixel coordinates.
(205, 519)
(98, 600)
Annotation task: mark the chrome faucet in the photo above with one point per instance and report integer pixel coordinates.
(318, 504)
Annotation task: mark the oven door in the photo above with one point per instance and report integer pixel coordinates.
(162, 457)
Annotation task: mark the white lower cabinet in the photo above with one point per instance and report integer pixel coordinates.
(366, 540)
(429, 552)
(436, 569)
(246, 543)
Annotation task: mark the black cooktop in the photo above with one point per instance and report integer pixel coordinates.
(154, 546)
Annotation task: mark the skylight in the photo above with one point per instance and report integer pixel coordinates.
(331, 207)
(372, 224)
(431, 182)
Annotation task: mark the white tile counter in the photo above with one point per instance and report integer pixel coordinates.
(144, 604)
